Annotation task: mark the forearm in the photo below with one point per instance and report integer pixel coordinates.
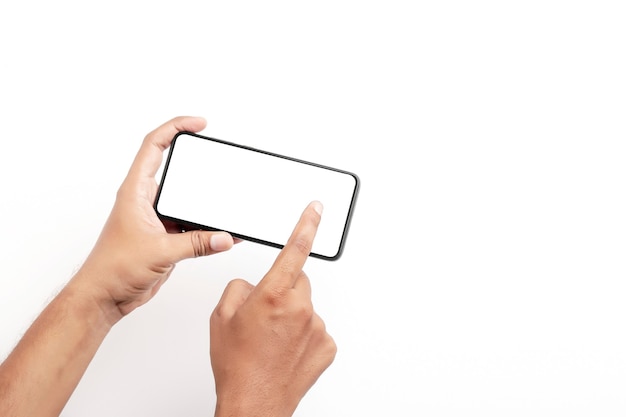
(43, 370)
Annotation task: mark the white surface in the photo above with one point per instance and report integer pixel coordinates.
(484, 273)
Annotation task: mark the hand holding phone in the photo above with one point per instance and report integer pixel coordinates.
(254, 195)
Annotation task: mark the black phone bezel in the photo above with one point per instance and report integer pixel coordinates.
(188, 225)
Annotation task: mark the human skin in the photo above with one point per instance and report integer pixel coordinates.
(134, 255)
(268, 346)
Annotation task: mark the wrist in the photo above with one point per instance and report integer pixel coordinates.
(253, 404)
(95, 299)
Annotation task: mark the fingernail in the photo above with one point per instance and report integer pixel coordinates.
(318, 207)
(221, 241)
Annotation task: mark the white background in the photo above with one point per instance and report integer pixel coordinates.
(484, 273)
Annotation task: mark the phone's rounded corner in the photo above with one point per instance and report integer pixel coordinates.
(357, 188)
(325, 257)
(176, 136)
(357, 179)
(331, 258)
(155, 205)
(183, 132)
(160, 215)
(163, 217)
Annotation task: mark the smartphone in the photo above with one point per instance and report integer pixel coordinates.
(255, 195)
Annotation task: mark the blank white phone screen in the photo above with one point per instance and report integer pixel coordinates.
(254, 194)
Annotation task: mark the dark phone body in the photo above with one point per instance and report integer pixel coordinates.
(255, 195)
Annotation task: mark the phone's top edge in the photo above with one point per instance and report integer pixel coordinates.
(357, 180)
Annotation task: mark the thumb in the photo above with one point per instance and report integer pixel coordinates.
(197, 243)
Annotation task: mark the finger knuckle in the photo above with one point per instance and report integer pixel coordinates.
(217, 314)
(200, 245)
(318, 325)
(331, 349)
(327, 344)
(238, 286)
(275, 297)
(304, 311)
(303, 245)
(238, 282)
